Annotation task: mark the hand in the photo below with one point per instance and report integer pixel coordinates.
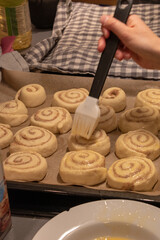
(137, 41)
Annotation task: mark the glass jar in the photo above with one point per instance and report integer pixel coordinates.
(15, 21)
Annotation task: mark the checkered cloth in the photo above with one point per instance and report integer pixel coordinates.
(72, 48)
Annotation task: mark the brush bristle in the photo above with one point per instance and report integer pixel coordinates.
(86, 118)
(84, 126)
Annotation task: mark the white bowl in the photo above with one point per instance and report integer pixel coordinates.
(115, 218)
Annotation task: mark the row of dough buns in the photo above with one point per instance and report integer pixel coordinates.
(66, 102)
(14, 112)
(86, 167)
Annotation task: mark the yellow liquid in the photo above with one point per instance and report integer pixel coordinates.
(10, 3)
(15, 21)
(22, 41)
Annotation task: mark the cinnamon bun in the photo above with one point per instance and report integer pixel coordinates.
(98, 142)
(138, 143)
(6, 135)
(132, 173)
(32, 95)
(13, 113)
(25, 166)
(149, 97)
(70, 99)
(55, 119)
(83, 167)
(34, 139)
(114, 97)
(108, 118)
(139, 117)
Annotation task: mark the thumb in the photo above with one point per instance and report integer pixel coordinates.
(117, 27)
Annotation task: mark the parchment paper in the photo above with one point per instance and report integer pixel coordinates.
(14, 80)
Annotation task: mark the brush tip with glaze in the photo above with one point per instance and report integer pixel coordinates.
(86, 118)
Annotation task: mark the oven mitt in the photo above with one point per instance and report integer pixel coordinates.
(13, 61)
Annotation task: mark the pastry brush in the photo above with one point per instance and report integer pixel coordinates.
(87, 114)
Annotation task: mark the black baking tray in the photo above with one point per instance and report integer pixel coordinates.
(45, 200)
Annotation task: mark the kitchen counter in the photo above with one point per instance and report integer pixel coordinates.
(24, 227)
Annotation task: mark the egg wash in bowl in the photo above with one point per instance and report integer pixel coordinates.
(104, 220)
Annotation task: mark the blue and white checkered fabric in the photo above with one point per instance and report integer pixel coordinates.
(72, 48)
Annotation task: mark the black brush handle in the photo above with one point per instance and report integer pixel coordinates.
(121, 13)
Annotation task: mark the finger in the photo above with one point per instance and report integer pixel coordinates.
(101, 44)
(105, 32)
(116, 26)
(119, 55)
(126, 53)
(127, 56)
(133, 20)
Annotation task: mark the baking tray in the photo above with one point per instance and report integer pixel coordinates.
(48, 199)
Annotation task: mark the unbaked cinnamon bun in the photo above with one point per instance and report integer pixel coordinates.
(25, 166)
(70, 99)
(83, 167)
(34, 139)
(13, 113)
(6, 135)
(108, 118)
(149, 97)
(32, 95)
(55, 119)
(98, 142)
(132, 173)
(114, 97)
(138, 143)
(139, 117)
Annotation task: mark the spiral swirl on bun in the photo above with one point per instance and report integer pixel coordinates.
(114, 97)
(98, 142)
(13, 113)
(139, 117)
(35, 139)
(83, 167)
(149, 97)
(32, 95)
(108, 118)
(6, 135)
(132, 173)
(55, 119)
(25, 166)
(70, 99)
(139, 143)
